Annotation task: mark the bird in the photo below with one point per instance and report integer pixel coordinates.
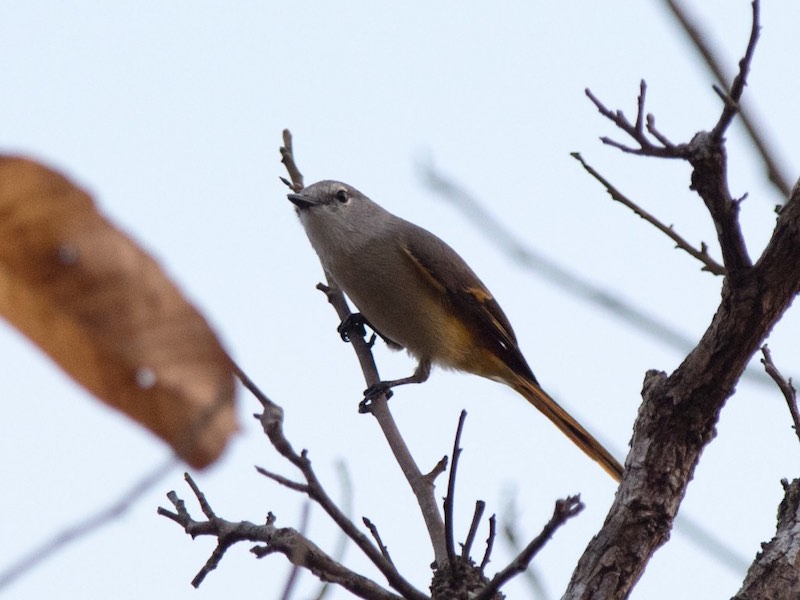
(417, 293)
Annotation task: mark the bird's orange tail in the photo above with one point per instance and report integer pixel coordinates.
(568, 425)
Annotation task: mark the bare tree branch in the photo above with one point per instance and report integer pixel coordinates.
(734, 96)
(767, 153)
(706, 154)
(489, 542)
(422, 485)
(775, 574)
(564, 511)
(678, 416)
(296, 547)
(466, 548)
(709, 264)
(272, 422)
(449, 500)
(637, 132)
(377, 536)
(287, 158)
(786, 387)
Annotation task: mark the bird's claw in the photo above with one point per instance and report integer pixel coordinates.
(353, 323)
(372, 393)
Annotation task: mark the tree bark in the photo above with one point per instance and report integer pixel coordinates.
(678, 416)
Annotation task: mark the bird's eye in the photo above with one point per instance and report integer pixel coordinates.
(341, 196)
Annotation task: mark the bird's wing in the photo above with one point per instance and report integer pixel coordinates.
(466, 295)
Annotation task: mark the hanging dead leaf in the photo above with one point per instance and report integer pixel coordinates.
(108, 315)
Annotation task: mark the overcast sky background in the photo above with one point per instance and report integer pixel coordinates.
(170, 113)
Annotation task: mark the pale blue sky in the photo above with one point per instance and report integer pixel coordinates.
(171, 113)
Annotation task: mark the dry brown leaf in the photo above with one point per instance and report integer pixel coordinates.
(108, 315)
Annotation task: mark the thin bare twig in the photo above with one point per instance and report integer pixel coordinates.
(709, 264)
(637, 132)
(733, 106)
(706, 154)
(489, 542)
(377, 536)
(785, 386)
(767, 153)
(564, 510)
(284, 481)
(451, 492)
(466, 548)
(287, 158)
(249, 384)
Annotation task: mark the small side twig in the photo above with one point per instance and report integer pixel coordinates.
(377, 536)
(785, 386)
(480, 506)
(451, 492)
(284, 481)
(637, 131)
(489, 543)
(564, 510)
(249, 384)
(709, 264)
(287, 158)
(767, 153)
(734, 96)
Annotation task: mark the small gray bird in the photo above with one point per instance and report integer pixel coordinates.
(419, 294)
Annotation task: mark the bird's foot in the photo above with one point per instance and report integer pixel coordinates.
(353, 323)
(372, 393)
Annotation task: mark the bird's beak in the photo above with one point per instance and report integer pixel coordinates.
(302, 202)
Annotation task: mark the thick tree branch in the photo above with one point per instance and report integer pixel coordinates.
(775, 574)
(679, 414)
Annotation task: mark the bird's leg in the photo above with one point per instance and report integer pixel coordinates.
(421, 374)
